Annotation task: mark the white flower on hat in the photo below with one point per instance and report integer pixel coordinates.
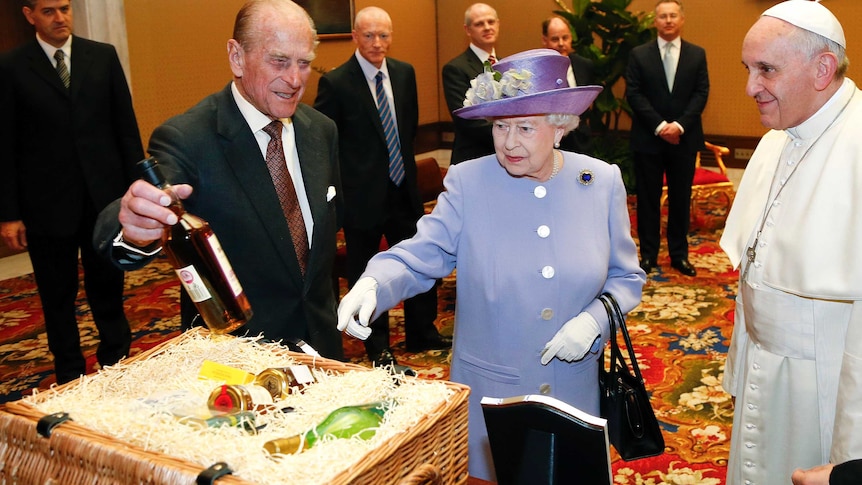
(516, 81)
(483, 88)
(491, 85)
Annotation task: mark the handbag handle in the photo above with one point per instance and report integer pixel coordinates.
(616, 319)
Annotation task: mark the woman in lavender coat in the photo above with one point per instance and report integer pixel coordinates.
(536, 235)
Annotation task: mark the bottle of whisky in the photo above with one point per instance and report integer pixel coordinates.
(200, 262)
(345, 422)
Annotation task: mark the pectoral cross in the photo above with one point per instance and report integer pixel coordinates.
(751, 254)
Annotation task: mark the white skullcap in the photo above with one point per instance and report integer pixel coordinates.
(811, 16)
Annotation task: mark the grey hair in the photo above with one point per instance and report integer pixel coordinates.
(245, 30)
(811, 44)
(567, 122)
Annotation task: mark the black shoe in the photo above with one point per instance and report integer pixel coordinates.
(684, 267)
(647, 264)
(386, 359)
(383, 358)
(439, 342)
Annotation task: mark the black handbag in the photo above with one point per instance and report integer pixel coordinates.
(632, 426)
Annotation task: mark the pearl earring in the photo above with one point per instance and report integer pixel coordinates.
(556, 144)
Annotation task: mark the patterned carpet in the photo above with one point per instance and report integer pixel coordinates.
(682, 329)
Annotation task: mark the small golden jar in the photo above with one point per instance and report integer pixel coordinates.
(282, 381)
(236, 398)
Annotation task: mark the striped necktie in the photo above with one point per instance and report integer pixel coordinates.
(393, 144)
(62, 70)
(277, 166)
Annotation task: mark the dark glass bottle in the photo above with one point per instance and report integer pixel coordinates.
(200, 262)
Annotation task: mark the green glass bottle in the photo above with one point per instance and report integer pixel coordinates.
(344, 422)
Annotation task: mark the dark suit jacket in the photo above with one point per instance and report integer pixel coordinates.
(212, 148)
(472, 137)
(846, 473)
(583, 70)
(344, 96)
(578, 139)
(61, 147)
(652, 102)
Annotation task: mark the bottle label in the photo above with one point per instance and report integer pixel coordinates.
(302, 374)
(259, 394)
(193, 283)
(226, 268)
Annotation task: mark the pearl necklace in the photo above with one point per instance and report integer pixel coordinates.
(557, 165)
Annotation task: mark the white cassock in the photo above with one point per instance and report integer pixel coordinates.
(795, 360)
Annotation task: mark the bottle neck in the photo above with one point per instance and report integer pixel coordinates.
(176, 204)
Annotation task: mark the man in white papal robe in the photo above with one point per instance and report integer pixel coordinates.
(794, 365)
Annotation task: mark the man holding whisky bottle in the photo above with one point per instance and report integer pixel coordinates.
(221, 147)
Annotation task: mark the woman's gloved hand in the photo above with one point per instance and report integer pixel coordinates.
(573, 340)
(360, 301)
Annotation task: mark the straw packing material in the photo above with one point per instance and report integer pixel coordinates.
(135, 402)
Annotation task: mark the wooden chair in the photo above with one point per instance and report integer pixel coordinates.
(708, 183)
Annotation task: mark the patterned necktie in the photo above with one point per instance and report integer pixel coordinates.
(277, 166)
(492, 60)
(668, 65)
(396, 161)
(62, 70)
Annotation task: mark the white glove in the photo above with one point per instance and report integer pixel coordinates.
(572, 342)
(361, 300)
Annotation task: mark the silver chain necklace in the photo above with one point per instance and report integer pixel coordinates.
(751, 252)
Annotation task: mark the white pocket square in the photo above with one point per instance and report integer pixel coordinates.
(330, 193)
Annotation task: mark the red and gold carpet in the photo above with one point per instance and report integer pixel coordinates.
(681, 329)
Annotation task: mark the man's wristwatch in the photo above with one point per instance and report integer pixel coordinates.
(150, 250)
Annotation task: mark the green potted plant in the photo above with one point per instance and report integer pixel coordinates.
(605, 31)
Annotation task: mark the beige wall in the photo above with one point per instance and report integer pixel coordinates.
(717, 26)
(178, 50)
(178, 53)
(720, 27)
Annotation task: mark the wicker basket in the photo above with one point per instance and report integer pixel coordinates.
(433, 452)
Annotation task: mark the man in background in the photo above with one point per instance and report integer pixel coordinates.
(794, 365)
(70, 143)
(557, 35)
(373, 100)
(472, 137)
(244, 150)
(667, 85)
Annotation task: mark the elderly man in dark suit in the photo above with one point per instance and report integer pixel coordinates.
(70, 142)
(667, 85)
(219, 148)
(472, 137)
(378, 168)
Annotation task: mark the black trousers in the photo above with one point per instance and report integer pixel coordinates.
(677, 164)
(362, 244)
(55, 266)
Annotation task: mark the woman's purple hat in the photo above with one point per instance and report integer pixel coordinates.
(532, 82)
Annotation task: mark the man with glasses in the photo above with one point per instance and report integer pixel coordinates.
(373, 100)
